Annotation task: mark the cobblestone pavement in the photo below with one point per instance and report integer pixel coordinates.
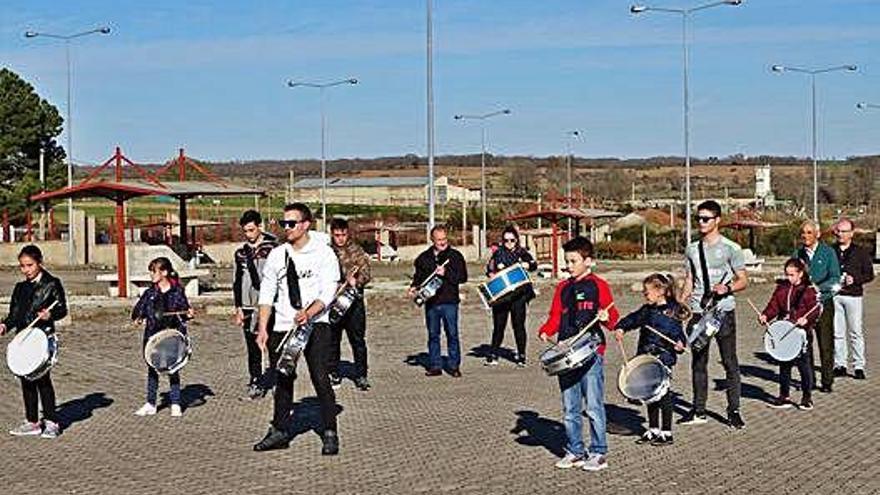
(496, 430)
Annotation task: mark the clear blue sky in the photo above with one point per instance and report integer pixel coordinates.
(210, 76)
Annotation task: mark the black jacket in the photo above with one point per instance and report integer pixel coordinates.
(660, 318)
(29, 298)
(456, 273)
(855, 261)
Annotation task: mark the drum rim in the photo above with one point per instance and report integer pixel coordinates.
(44, 338)
(153, 339)
(632, 364)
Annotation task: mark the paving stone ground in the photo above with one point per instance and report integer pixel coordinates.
(496, 430)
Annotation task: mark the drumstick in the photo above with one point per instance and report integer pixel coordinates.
(662, 336)
(755, 308)
(37, 320)
(590, 324)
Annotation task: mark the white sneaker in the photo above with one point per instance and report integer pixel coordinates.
(596, 462)
(570, 460)
(176, 412)
(146, 410)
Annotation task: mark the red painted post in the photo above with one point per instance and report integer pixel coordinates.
(29, 233)
(181, 165)
(118, 157)
(554, 247)
(120, 249)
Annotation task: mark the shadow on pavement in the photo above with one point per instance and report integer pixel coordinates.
(534, 431)
(306, 416)
(76, 410)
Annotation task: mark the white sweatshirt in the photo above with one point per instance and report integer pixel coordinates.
(318, 272)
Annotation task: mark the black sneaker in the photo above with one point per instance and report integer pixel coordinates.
(859, 374)
(335, 381)
(274, 439)
(735, 421)
(362, 383)
(694, 418)
(840, 371)
(662, 440)
(331, 443)
(780, 403)
(806, 404)
(519, 360)
(490, 361)
(647, 437)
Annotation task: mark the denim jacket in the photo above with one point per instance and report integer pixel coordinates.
(660, 318)
(153, 305)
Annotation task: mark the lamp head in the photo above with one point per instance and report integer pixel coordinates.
(861, 106)
(637, 9)
(31, 34)
(104, 30)
(352, 81)
(777, 68)
(852, 68)
(458, 117)
(506, 111)
(734, 2)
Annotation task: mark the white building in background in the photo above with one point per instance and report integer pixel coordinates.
(409, 191)
(763, 188)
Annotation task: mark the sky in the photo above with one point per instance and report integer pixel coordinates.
(211, 76)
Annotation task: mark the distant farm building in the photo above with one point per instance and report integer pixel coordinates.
(382, 191)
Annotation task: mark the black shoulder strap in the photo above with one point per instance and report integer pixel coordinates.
(292, 282)
(251, 253)
(704, 269)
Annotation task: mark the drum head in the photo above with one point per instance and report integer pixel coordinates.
(166, 350)
(517, 275)
(643, 378)
(27, 352)
(784, 341)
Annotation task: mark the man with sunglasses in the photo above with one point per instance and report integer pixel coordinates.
(858, 269)
(715, 270)
(299, 282)
(448, 263)
(825, 274)
(510, 253)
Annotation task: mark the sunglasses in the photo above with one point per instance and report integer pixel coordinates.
(289, 224)
(509, 240)
(703, 219)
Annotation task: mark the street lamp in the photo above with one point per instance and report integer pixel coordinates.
(812, 73)
(482, 118)
(572, 136)
(429, 44)
(685, 17)
(71, 249)
(321, 88)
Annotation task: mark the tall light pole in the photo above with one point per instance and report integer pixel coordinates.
(570, 136)
(812, 73)
(483, 118)
(67, 38)
(430, 103)
(321, 87)
(685, 18)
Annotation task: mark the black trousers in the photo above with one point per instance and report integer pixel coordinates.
(726, 340)
(804, 368)
(254, 354)
(664, 407)
(355, 325)
(825, 338)
(317, 353)
(37, 391)
(516, 308)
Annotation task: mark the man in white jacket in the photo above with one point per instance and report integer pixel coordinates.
(299, 282)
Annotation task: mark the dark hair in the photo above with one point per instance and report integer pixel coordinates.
(710, 205)
(665, 282)
(438, 228)
(303, 210)
(163, 263)
(801, 267)
(510, 229)
(338, 224)
(32, 252)
(250, 216)
(581, 245)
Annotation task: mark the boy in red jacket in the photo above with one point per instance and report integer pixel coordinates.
(579, 300)
(794, 300)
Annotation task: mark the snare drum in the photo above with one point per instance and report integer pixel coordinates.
(784, 341)
(644, 378)
(31, 354)
(291, 348)
(703, 331)
(428, 289)
(568, 355)
(343, 302)
(504, 284)
(167, 351)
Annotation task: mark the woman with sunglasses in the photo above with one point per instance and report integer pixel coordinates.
(510, 253)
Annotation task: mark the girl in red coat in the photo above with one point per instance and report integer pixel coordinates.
(794, 300)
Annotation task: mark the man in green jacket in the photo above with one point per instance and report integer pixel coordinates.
(825, 274)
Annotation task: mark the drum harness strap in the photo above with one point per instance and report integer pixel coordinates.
(250, 254)
(708, 297)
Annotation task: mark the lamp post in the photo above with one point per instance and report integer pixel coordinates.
(571, 135)
(812, 73)
(482, 118)
(685, 18)
(67, 38)
(430, 104)
(321, 87)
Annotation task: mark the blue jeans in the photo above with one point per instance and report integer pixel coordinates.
(153, 387)
(448, 313)
(587, 383)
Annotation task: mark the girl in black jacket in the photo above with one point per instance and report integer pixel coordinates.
(31, 299)
(663, 313)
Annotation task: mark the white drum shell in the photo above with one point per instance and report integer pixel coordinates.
(31, 354)
(784, 341)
